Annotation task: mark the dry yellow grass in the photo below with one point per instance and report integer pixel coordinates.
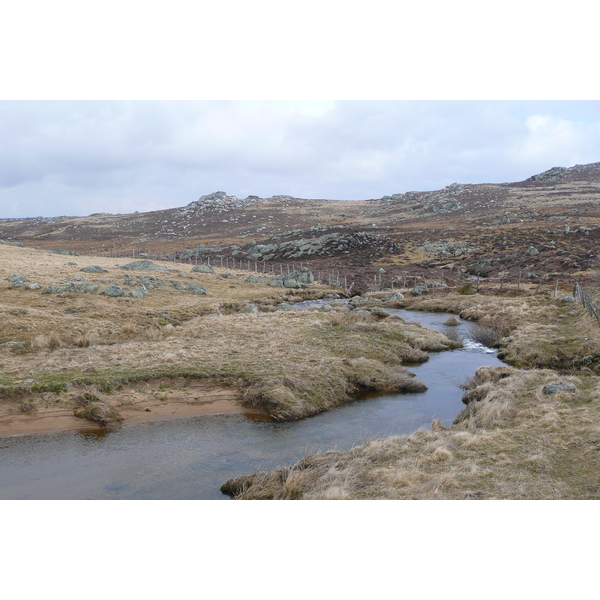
(288, 363)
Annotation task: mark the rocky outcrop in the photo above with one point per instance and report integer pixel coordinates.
(203, 269)
(298, 279)
(250, 309)
(115, 291)
(316, 241)
(560, 386)
(218, 202)
(66, 252)
(144, 265)
(332, 244)
(17, 280)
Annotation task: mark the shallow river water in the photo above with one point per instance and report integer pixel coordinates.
(191, 458)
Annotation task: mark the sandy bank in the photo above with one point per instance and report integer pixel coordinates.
(143, 402)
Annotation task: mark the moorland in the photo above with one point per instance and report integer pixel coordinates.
(115, 319)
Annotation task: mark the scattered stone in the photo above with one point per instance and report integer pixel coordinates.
(567, 299)
(203, 269)
(16, 347)
(255, 279)
(196, 289)
(418, 290)
(59, 289)
(144, 265)
(88, 288)
(66, 252)
(71, 264)
(561, 386)
(34, 286)
(114, 291)
(139, 293)
(284, 306)
(295, 280)
(17, 280)
(395, 296)
(228, 276)
(251, 309)
(532, 251)
(453, 321)
(93, 269)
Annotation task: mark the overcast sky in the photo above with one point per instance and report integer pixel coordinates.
(81, 157)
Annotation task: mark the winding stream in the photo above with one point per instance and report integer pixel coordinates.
(191, 458)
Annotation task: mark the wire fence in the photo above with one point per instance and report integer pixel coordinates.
(588, 302)
(391, 278)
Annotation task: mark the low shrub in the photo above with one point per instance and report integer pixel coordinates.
(90, 407)
(466, 290)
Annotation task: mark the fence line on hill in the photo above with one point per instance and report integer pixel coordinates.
(427, 280)
(588, 302)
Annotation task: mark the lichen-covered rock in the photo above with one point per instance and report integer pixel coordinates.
(284, 306)
(66, 252)
(17, 280)
(59, 289)
(295, 280)
(251, 309)
(395, 296)
(144, 265)
(93, 269)
(196, 289)
(560, 386)
(203, 269)
(114, 291)
(139, 293)
(88, 288)
(255, 279)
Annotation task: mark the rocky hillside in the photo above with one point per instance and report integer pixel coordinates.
(546, 225)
